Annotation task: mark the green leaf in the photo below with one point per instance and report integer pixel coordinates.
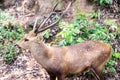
(117, 55)
(47, 33)
(110, 21)
(112, 69)
(80, 39)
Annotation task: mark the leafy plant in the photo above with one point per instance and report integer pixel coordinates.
(100, 33)
(47, 33)
(103, 2)
(79, 31)
(10, 54)
(96, 14)
(110, 64)
(116, 55)
(68, 34)
(9, 34)
(72, 32)
(109, 22)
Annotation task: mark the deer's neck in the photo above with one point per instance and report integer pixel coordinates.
(40, 53)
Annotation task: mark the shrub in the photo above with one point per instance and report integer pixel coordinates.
(79, 30)
(9, 34)
(103, 2)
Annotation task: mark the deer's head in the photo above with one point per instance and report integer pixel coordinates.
(28, 39)
(33, 35)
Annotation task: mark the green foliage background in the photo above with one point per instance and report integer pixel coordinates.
(10, 33)
(103, 2)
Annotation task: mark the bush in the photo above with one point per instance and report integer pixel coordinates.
(10, 33)
(80, 30)
(103, 2)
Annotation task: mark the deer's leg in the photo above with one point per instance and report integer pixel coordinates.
(52, 76)
(97, 74)
(60, 77)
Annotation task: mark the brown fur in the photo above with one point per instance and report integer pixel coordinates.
(61, 61)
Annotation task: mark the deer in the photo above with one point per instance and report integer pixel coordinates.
(62, 61)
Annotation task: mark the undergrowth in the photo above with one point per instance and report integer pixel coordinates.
(9, 34)
(104, 2)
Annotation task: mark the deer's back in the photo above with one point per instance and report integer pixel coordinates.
(86, 54)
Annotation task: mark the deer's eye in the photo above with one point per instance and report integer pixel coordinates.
(26, 39)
